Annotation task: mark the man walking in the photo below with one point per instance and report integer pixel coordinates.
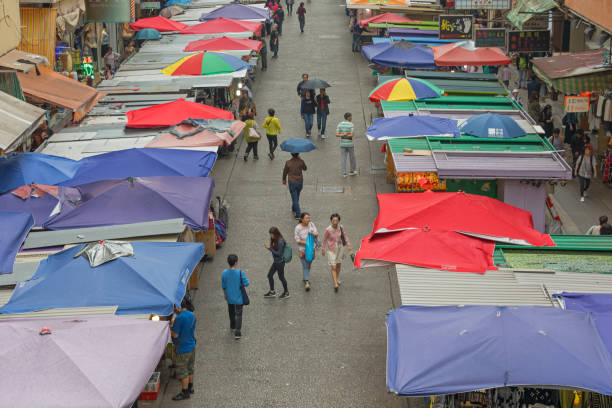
(322, 111)
(264, 55)
(301, 12)
(300, 86)
(345, 131)
(292, 173)
(231, 280)
(182, 332)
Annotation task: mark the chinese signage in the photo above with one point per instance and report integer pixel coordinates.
(528, 41)
(576, 103)
(490, 37)
(87, 68)
(482, 4)
(456, 27)
(109, 11)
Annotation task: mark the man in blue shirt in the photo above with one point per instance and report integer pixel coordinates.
(183, 329)
(230, 281)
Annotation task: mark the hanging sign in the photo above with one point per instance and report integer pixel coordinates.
(529, 41)
(108, 11)
(457, 27)
(576, 103)
(490, 37)
(482, 4)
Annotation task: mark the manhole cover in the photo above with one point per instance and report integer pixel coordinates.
(332, 189)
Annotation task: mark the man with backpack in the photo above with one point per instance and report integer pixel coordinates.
(233, 282)
(182, 332)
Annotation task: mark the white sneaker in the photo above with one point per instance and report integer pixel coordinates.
(582, 199)
(344, 175)
(323, 136)
(353, 173)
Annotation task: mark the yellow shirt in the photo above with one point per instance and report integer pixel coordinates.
(272, 126)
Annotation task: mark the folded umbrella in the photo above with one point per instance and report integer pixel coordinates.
(492, 125)
(297, 145)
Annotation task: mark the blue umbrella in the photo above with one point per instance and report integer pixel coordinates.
(18, 169)
(491, 125)
(297, 145)
(147, 34)
(173, 2)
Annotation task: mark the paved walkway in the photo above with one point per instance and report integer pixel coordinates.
(318, 348)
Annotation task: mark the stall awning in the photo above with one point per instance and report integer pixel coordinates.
(59, 90)
(21, 61)
(574, 73)
(525, 9)
(19, 119)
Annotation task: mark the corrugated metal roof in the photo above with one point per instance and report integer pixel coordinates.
(571, 243)
(558, 282)
(22, 271)
(63, 312)
(19, 119)
(5, 295)
(430, 287)
(413, 163)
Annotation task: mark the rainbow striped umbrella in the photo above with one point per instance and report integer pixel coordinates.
(206, 63)
(405, 89)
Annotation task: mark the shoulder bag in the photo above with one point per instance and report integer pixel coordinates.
(253, 132)
(243, 292)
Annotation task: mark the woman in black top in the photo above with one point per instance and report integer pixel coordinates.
(277, 247)
(308, 110)
(546, 120)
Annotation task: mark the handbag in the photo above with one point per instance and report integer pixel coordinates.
(342, 236)
(253, 133)
(287, 253)
(243, 292)
(309, 248)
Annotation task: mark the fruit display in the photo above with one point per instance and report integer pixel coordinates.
(412, 182)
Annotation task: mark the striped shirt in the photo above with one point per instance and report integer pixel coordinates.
(345, 131)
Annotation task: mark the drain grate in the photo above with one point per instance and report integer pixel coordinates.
(332, 189)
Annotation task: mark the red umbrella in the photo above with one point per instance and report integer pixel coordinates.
(223, 25)
(159, 23)
(444, 250)
(466, 53)
(171, 113)
(461, 212)
(224, 44)
(386, 18)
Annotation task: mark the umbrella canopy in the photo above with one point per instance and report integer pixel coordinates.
(151, 281)
(159, 23)
(70, 367)
(18, 169)
(224, 44)
(171, 11)
(435, 249)
(171, 113)
(197, 136)
(492, 125)
(405, 89)
(297, 145)
(412, 126)
(148, 34)
(143, 162)
(315, 84)
(223, 25)
(466, 53)
(479, 216)
(138, 199)
(206, 63)
(428, 349)
(237, 11)
(40, 207)
(15, 226)
(386, 18)
(402, 54)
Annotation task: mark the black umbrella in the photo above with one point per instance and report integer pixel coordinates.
(315, 84)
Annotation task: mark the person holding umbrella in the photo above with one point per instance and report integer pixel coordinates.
(322, 111)
(293, 169)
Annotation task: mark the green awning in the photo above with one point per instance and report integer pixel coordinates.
(525, 9)
(574, 73)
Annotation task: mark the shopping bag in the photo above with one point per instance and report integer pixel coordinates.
(309, 251)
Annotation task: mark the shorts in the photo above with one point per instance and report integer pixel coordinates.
(184, 364)
(336, 257)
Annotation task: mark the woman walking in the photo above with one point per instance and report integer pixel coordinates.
(273, 128)
(277, 247)
(307, 110)
(274, 41)
(585, 170)
(302, 230)
(301, 12)
(252, 138)
(336, 243)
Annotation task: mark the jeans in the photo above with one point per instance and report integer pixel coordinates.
(280, 28)
(302, 23)
(274, 49)
(321, 121)
(251, 146)
(272, 142)
(295, 189)
(290, 8)
(522, 82)
(280, 268)
(308, 119)
(235, 316)
(264, 60)
(305, 269)
(584, 184)
(348, 151)
(356, 42)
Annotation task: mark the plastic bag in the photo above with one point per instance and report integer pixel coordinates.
(309, 251)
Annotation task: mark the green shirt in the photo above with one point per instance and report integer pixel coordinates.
(345, 128)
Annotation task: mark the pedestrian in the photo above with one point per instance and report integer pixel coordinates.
(345, 131)
(570, 120)
(232, 282)
(578, 144)
(534, 85)
(300, 86)
(336, 242)
(273, 128)
(182, 327)
(322, 102)
(302, 230)
(516, 96)
(277, 247)
(279, 17)
(534, 109)
(505, 75)
(308, 110)
(522, 69)
(596, 229)
(292, 174)
(606, 229)
(585, 170)
(301, 12)
(546, 121)
(252, 137)
(556, 139)
(263, 52)
(356, 29)
(110, 60)
(274, 41)
(246, 106)
(290, 6)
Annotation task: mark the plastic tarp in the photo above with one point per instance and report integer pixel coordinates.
(393, 55)
(158, 23)
(466, 53)
(143, 162)
(72, 366)
(18, 169)
(198, 139)
(15, 226)
(171, 113)
(412, 126)
(237, 11)
(451, 349)
(138, 199)
(151, 281)
(469, 214)
(223, 44)
(223, 25)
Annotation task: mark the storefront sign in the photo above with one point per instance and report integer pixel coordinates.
(482, 4)
(108, 11)
(490, 37)
(149, 5)
(419, 182)
(87, 68)
(576, 103)
(528, 41)
(456, 27)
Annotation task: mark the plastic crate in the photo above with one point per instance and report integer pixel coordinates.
(151, 389)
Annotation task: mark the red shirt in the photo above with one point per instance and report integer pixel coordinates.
(301, 11)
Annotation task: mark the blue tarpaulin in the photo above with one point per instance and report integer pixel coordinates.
(151, 281)
(400, 54)
(14, 227)
(412, 126)
(18, 169)
(39, 207)
(452, 349)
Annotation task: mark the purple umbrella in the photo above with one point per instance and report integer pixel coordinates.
(102, 361)
(237, 11)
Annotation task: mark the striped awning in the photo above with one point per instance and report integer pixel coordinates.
(578, 84)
